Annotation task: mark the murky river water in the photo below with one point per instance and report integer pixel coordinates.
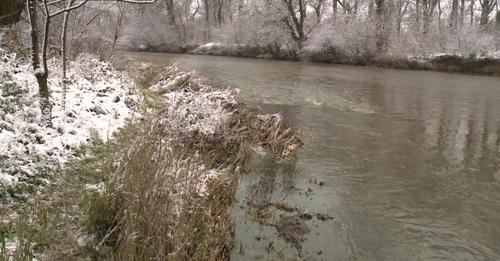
(408, 162)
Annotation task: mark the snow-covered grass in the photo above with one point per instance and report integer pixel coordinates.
(205, 112)
(167, 178)
(99, 101)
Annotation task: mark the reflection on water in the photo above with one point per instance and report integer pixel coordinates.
(410, 160)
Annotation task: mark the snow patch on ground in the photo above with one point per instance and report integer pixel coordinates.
(99, 100)
(211, 45)
(490, 55)
(209, 48)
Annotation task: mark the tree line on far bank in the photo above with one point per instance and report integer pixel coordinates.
(412, 27)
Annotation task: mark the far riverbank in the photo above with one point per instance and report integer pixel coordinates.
(480, 65)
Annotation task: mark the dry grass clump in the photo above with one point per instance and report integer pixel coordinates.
(170, 189)
(162, 203)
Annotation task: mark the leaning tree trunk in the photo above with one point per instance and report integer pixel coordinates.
(41, 74)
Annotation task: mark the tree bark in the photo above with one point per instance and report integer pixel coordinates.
(297, 29)
(41, 74)
(487, 7)
(471, 9)
(462, 12)
(207, 19)
(170, 5)
(380, 26)
(427, 15)
(454, 14)
(497, 30)
(64, 53)
(418, 12)
(334, 9)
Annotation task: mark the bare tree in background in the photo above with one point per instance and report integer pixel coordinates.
(454, 14)
(381, 26)
(293, 16)
(121, 12)
(40, 67)
(207, 7)
(177, 18)
(64, 53)
(487, 7)
(401, 7)
(497, 31)
(318, 7)
(356, 27)
(41, 70)
(334, 11)
(428, 10)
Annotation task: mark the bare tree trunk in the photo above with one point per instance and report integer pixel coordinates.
(462, 12)
(428, 8)
(487, 7)
(425, 16)
(370, 8)
(119, 19)
(401, 9)
(442, 40)
(64, 54)
(497, 30)
(220, 17)
(471, 7)
(334, 14)
(318, 6)
(418, 12)
(181, 32)
(297, 28)
(207, 19)
(380, 26)
(41, 74)
(454, 14)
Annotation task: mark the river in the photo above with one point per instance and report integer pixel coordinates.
(407, 163)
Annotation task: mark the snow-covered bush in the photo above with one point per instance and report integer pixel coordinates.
(204, 112)
(11, 93)
(353, 38)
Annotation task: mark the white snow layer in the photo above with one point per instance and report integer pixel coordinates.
(98, 103)
(204, 111)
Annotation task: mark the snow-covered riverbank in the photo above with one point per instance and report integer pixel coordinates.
(99, 101)
(483, 64)
(178, 154)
